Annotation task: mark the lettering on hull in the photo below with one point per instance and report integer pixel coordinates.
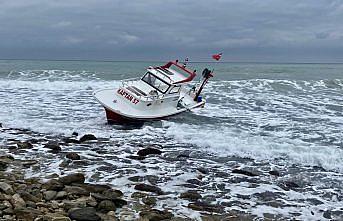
(128, 96)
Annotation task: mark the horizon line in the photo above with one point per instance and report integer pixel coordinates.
(160, 61)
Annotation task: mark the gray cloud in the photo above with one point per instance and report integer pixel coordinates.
(268, 30)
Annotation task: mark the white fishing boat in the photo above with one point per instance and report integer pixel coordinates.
(163, 91)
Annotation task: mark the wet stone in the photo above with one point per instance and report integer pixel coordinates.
(201, 206)
(24, 145)
(106, 206)
(84, 214)
(49, 195)
(274, 173)
(73, 156)
(148, 188)
(156, 215)
(149, 200)
(87, 137)
(289, 185)
(195, 182)
(53, 185)
(148, 151)
(53, 146)
(72, 178)
(191, 195)
(6, 188)
(243, 172)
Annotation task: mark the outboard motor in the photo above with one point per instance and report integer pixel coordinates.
(206, 74)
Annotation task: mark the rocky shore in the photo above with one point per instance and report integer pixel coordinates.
(75, 195)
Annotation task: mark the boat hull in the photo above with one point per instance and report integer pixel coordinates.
(116, 118)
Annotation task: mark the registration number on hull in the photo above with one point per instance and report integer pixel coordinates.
(128, 96)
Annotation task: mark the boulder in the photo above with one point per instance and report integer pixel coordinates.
(190, 195)
(73, 156)
(149, 200)
(205, 207)
(53, 185)
(72, 178)
(156, 215)
(75, 190)
(53, 146)
(148, 188)
(26, 214)
(94, 188)
(6, 188)
(87, 137)
(28, 197)
(106, 206)
(244, 172)
(55, 217)
(17, 201)
(147, 151)
(24, 145)
(49, 195)
(274, 173)
(84, 214)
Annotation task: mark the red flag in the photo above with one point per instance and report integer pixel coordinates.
(217, 56)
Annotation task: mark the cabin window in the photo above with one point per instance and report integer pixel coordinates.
(156, 82)
(175, 90)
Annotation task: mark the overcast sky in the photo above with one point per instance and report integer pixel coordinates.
(251, 30)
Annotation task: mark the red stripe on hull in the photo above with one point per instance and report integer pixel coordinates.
(113, 117)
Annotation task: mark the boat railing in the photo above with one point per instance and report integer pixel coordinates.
(150, 97)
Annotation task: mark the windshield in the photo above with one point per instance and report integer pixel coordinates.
(155, 82)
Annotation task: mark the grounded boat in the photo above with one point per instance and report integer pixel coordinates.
(163, 91)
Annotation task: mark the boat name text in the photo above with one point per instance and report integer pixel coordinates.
(128, 96)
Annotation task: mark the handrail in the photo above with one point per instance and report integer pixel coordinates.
(183, 68)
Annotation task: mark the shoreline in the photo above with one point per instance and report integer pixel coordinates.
(47, 196)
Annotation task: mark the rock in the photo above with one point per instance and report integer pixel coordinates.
(53, 146)
(156, 215)
(6, 188)
(31, 204)
(147, 151)
(72, 178)
(195, 182)
(24, 145)
(3, 165)
(49, 195)
(26, 214)
(87, 137)
(28, 197)
(136, 178)
(149, 200)
(201, 206)
(75, 134)
(274, 173)
(75, 190)
(17, 201)
(202, 170)
(182, 156)
(148, 188)
(53, 185)
(133, 157)
(106, 206)
(243, 172)
(73, 156)
(61, 195)
(84, 214)
(112, 197)
(191, 195)
(289, 185)
(55, 217)
(94, 188)
(0, 125)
